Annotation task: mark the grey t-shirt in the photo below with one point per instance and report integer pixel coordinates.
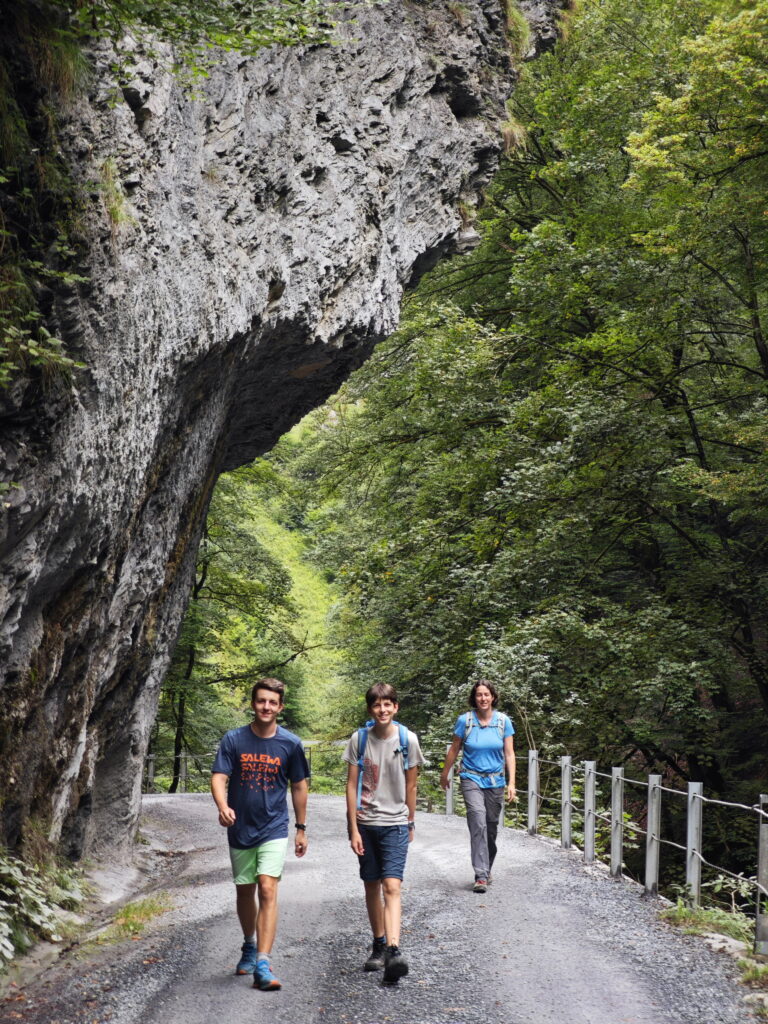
(383, 796)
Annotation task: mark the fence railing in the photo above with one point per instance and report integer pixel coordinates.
(654, 841)
(328, 772)
(164, 766)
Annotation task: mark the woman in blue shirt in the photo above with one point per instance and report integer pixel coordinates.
(488, 749)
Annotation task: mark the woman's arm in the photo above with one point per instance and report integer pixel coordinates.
(450, 760)
(509, 760)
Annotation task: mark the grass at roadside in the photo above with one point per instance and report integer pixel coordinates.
(698, 920)
(130, 920)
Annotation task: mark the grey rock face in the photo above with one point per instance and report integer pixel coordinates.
(245, 250)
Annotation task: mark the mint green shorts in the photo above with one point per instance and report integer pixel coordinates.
(267, 859)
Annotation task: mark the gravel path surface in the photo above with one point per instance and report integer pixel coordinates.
(550, 943)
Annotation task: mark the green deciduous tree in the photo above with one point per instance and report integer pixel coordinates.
(239, 627)
(555, 471)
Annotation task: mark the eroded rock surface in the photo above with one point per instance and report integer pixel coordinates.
(245, 250)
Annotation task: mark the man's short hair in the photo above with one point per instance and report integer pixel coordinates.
(269, 684)
(380, 691)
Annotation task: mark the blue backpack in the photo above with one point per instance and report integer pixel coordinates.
(362, 739)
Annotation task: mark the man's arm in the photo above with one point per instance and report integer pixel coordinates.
(219, 793)
(411, 786)
(299, 794)
(355, 839)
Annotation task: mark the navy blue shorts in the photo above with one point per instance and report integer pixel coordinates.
(386, 847)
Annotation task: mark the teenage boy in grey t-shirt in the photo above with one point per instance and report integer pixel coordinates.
(382, 821)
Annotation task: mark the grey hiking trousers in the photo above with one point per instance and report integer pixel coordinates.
(483, 812)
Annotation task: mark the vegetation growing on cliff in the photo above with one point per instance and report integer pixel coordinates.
(42, 64)
(196, 30)
(31, 901)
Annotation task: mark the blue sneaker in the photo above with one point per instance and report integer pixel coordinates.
(247, 963)
(263, 977)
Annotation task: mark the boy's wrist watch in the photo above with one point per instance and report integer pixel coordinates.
(411, 824)
(301, 828)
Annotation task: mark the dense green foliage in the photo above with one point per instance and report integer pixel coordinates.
(257, 608)
(31, 901)
(555, 473)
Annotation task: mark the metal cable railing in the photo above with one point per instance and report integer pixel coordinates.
(654, 840)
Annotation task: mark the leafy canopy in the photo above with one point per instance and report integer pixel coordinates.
(555, 472)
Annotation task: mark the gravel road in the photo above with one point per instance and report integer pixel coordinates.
(550, 943)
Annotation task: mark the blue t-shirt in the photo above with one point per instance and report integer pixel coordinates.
(259, 771)
(483, 754)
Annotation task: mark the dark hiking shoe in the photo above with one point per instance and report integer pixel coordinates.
(263, 977)
(395, 965)
(376, 959)
(480, 885)
(247, 963)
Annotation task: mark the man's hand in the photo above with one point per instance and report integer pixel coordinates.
(226, 817)
(300, 843)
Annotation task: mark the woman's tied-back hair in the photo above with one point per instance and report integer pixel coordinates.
(380, 691)
(489, 685)
(269, 684)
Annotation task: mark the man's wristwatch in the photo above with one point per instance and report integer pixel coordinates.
(301, 828)
(411, 825)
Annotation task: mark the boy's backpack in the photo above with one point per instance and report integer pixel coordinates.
(362, 739)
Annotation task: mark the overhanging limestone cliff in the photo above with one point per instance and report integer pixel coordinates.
(258, 243)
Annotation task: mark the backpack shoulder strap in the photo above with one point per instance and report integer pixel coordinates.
(469, 722)
(403, 744)
(362, 739)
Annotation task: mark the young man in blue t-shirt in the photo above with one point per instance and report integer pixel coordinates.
(253, 768)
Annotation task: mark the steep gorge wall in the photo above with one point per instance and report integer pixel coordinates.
(260, 240)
